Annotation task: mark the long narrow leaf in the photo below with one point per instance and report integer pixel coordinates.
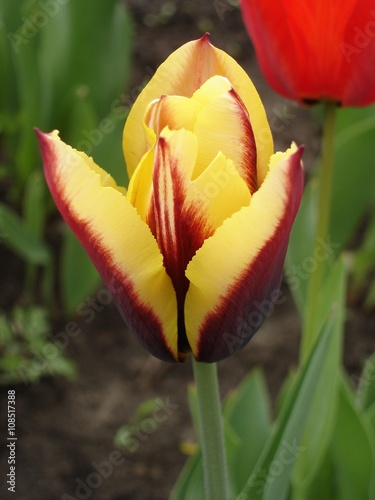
(17, 236)
(271, 477)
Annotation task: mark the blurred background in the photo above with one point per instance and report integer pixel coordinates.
(96, 415)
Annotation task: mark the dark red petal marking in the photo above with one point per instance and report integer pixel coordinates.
(247, 168)
(179, 228)
(252, 298)
(140, 318)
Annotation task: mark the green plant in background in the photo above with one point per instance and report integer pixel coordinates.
(363, 270)
(65, 64)
(149, 415)
(26, 352)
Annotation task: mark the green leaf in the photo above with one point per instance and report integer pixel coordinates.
(366, 387)
(190, 484)
(370, 414)
(108, 151)
(354, 182)
(81, 119)
(323, 404)
(17, 236)
(351, 196)
(79, 277)
(271, 476)
(27, 354)
(54, 54)
(29, 94)
(102, 32)
(321, 485)
(301, 244)
(247, 410)
(34, 207)
(353, 450)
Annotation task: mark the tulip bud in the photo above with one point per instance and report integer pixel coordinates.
(199, 238)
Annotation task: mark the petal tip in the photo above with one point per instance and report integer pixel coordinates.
(206, 38)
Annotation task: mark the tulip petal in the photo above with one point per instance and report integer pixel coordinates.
(140, 185)
(221, 190)
(177, 238)
(237, 272)
(173, 111)
(119, 243)
(182, 74)
(312, 51)
(223, 123)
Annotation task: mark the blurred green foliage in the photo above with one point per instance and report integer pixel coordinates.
(352, 202)
(26, 352)
(65, 65)
(321, 442)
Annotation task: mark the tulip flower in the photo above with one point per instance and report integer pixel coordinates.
(321, 50)
(193, 250)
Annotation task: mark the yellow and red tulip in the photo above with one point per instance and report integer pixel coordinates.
(197, 241)
(315, 50)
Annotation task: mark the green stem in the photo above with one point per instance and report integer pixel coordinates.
(322, 227)
(211, 431)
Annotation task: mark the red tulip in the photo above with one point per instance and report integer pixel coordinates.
(314, 50)
(193, 250)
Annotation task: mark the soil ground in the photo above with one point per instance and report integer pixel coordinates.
(66, 429)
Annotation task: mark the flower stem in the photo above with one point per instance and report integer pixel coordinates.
(211, 431)
(322, 227)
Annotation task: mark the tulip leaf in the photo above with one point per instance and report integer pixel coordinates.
(9, 23)
(271, 476)
(34, 202)
(366, 387)
(247, 410)
(190, 484)
(103, 36)
(364, 266)
(323, 405)
(353, 450)
(351, 196)
(29, 95)
(354, 182)
(247, 425)
(78, 275)
(370, 414)
(55, 52)
(20, 238)
(301, 243)
(321, 485)
(108, 152)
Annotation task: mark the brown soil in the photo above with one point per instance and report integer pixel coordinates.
(65, 428)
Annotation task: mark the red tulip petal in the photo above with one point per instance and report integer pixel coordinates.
(315, 50)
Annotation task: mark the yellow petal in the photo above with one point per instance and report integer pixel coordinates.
(140, 185)
(182, 74)
(174, 112)
(240, 262)
(221, 190)
(119, 243)
(223, 125)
